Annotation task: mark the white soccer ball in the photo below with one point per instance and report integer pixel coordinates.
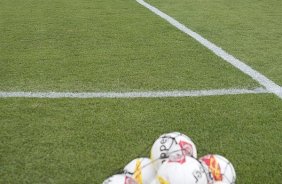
(141, 169)
(182, 169)
(221, 169)
(220, 182)
(171, 143)
(120, 179)
(155, 181)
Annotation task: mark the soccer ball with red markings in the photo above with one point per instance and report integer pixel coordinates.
(181, 169)
(120, 179)
(222, 170)
(169, 144)
(141, 169)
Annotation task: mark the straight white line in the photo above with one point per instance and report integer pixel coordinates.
(147, 94)
(261, 79)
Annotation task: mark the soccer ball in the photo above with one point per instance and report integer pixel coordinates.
(169, 144)
(141, 169)
(221, 169)
(120, 179)
(181, 169)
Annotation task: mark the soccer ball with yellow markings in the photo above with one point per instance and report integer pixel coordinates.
(141, 169)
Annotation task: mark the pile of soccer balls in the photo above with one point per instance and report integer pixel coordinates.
(174, 161)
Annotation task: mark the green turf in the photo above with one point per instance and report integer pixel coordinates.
(84, 141)
(68, 45)
(118, 45)
(250, 30)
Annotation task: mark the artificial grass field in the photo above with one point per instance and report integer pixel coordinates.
(248, 29)
(84, 141)
(118, 45)
(67, 45)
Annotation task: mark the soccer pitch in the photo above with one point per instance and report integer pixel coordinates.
(120, 52)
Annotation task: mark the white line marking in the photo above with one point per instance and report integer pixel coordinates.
(261, 79)
(147, 94)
